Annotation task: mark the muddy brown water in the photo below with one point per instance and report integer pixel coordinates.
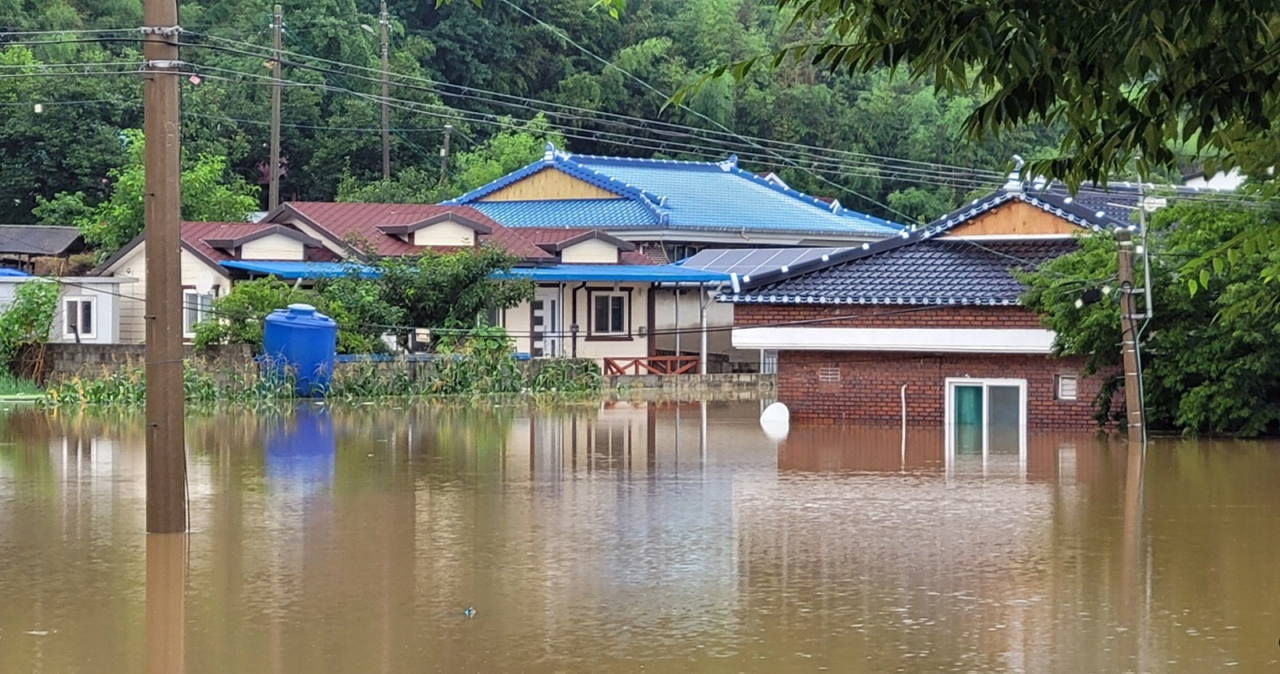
(629, 538)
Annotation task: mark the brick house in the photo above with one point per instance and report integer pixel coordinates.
(927, 329)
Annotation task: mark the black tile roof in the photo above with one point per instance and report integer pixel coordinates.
(931, 272)
(917, 267)
(39, 240)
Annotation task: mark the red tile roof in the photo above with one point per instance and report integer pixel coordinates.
(196, 234)
(341, 222)
(545, 235)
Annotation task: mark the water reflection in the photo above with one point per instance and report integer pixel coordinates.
(623, 537)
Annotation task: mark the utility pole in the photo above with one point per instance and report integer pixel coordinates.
(386, 109)
(1129, 332)
(273, 195)
(162, 214)
(444, 154)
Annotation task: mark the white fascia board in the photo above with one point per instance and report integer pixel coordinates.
(930, 340)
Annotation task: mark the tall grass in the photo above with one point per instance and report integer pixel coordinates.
(452, 376)
(11, 385)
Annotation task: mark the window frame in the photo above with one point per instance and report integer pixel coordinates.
(79, 301)
(1057, 387)
(625, 295)
(189, 331)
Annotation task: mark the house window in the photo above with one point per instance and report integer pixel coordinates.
(1067, 387)
(986, 420)
(196, 307)
(78, 314)
(609, 314)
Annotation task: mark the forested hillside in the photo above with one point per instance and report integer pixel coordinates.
(507, 76)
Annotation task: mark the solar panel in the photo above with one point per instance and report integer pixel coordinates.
(748, 261)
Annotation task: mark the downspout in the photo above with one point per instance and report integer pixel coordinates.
(574, 326)
(904, 427)
(675, 292)
(560, 324)
(705, 299)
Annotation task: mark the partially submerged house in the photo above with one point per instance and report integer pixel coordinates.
(593, 296)
(670, 211)
(926, 328)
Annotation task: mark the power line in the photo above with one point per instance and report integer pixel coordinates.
(441, 88)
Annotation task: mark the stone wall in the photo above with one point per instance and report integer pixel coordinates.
(761, 385)
(60, 361)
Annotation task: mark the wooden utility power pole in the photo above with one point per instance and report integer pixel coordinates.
(386, 92)
(444, 154)
(1129, 332)
(273, 195)
(162, 213)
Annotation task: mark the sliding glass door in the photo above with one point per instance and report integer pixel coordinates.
(987, 421)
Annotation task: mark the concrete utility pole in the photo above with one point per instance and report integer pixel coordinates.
(1129, 332)
(386, 89)
(277, 26)
(444, 154)
(166, 445)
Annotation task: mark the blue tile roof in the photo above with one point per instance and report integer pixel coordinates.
(713, 196)
(568, 213)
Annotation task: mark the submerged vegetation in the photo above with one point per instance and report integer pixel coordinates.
(481, 364)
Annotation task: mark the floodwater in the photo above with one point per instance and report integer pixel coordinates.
(629, 538)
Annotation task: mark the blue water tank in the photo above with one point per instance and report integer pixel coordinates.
(304, 341)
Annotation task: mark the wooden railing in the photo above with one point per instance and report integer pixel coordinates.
(663, 365)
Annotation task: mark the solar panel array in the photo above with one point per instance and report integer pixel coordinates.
(748, 261)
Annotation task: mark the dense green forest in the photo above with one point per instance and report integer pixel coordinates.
(507, 75)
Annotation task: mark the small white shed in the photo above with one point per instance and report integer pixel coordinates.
(88, 307)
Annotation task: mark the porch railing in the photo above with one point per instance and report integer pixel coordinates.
(663, 365)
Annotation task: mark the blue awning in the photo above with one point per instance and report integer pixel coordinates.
(623, 273)
(618, 272)
(299, 270)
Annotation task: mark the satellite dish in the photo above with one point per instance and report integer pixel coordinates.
(776, 421)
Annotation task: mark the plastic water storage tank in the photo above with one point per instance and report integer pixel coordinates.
(304, 341)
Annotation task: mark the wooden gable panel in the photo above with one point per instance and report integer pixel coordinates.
(1016, 218)
(549, 184)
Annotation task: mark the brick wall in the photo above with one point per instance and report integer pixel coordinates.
(866, 387)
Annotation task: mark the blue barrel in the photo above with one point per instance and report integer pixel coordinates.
(303, 341)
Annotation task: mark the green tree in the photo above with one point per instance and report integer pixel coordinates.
(1208, 366)
(208, 194)
(451, 290)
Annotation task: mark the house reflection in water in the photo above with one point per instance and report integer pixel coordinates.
(1048, 455)
(666, 437)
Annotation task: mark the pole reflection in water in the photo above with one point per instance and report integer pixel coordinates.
(1131, 555)
(166, 603)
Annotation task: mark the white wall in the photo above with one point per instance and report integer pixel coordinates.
(274, 247)
(447, 233)
(591, 251)
(719, 318)
(103, 293)
(633, 345)
(1218, 181)
(195, 274)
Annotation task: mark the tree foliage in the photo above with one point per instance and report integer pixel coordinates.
(208, 194)
(496, 68)
(1209, 363)
(28, 319)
